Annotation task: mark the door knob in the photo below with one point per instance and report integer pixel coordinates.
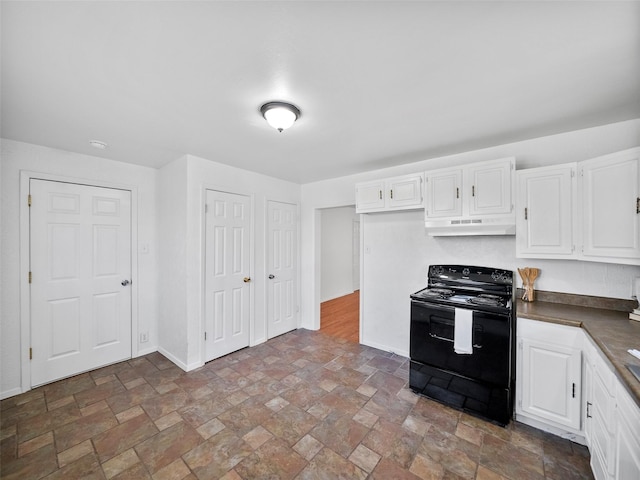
(246, 279)
(124, 283)
(271, 276)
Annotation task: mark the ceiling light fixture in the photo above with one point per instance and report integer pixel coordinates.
(280, 115)
(98, 144)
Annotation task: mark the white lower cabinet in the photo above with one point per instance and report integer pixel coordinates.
(549, 363)
(599, 412)
(627, 442)
(551, 357)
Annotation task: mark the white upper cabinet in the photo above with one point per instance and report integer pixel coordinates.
(490, 185)
(370, 196)
(475, 199)
(545, 203)
(610, 196)
(443, 194)
(397, 193)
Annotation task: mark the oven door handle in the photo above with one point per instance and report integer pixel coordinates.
(433, 335)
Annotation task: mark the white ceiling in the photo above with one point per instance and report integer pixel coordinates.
(378, 83)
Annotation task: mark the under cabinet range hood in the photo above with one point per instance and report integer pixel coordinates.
(467, 227)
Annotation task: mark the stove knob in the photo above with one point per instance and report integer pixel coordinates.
(465, 272)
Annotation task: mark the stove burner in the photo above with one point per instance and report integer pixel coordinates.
(437, 292)
(486, 299)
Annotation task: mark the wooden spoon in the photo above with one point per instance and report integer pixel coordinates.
(533, 274)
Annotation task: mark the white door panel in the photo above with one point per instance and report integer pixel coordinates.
(80, 254)
(227, 273)
(282, 268)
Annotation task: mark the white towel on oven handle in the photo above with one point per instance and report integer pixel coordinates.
(463, 331)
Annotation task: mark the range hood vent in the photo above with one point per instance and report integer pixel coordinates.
(467, 227)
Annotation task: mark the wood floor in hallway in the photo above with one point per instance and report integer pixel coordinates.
(340, 317)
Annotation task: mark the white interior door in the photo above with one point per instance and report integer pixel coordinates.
(227, 273)
(80, 240)
(282, 268)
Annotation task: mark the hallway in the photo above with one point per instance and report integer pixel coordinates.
(340, 317)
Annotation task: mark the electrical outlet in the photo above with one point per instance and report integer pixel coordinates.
(144, 337)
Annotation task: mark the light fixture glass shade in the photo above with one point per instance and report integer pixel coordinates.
(280, 115)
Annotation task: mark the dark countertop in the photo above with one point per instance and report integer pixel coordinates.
(611, 330)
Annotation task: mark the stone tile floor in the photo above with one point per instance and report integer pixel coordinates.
(301, 406)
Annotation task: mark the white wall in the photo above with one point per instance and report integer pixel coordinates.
(337, 252)
(172, 261)
(401, 251)
(184, 317)
(17, 156)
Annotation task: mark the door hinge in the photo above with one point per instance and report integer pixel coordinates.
(526, 213)
(473, 190)
(29, 199)
(206, 208)
(30, 277)
(391, 193)
(30, 353)
(573, 390)
(638, 205)
(457, 192)
(205, 336)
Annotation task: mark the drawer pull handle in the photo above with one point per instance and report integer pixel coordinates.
(438, 337)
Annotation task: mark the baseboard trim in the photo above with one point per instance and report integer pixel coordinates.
(179, 363)
(385, 348)
(11, 393)
(574, 437)
(147, 351)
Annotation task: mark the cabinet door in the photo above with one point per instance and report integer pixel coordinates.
(628, 454)
(551, 383)
(611, 205)
(405, 192)
(489, 187)
(444, 194)
(544, 213)
(369, 196)
(627, 437)
(587, 383)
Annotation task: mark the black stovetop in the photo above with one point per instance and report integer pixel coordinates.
(477, 288)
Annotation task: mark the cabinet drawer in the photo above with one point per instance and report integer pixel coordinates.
(550, 333)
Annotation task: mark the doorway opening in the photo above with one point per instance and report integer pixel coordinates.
(340, 273)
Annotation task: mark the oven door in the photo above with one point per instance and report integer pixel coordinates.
(431, 343)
